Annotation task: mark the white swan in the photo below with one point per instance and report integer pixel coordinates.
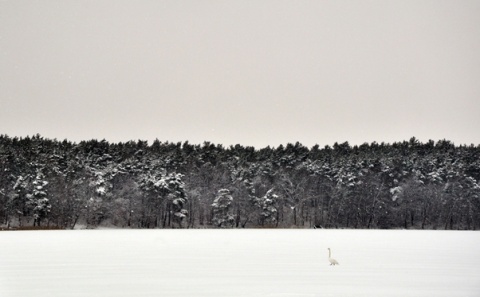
(332, 261)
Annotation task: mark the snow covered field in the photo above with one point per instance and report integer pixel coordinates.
(234, 263)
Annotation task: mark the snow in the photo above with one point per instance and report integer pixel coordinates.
(101, 190)
(239, 263)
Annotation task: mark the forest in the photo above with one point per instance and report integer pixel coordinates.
(134, 184)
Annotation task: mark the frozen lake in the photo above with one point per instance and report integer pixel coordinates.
(225, 263)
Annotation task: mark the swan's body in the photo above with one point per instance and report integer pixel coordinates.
(332, 261)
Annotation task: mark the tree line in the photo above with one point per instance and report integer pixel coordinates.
(408, 184)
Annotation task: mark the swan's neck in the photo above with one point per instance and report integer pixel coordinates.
(329, 253)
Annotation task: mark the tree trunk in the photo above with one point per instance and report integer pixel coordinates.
(295, 216)
(75, 221)
(424, 216)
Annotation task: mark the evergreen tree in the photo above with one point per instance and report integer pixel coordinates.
(222, 215)
(37, 199)
(268, 206)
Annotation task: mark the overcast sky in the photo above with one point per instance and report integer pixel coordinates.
(249, 72)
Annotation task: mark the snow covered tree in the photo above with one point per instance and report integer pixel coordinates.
(176, 197)
(268, 206)
(18, 201)
(165, 198)
(222, 215)
(100, 186)
(37, 200)
(154, 189)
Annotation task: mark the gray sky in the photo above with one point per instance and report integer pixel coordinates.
(249, 72)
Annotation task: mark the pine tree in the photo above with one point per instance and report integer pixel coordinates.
(177, 196)
(268, 206)
(222, 215)
(37, 200)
